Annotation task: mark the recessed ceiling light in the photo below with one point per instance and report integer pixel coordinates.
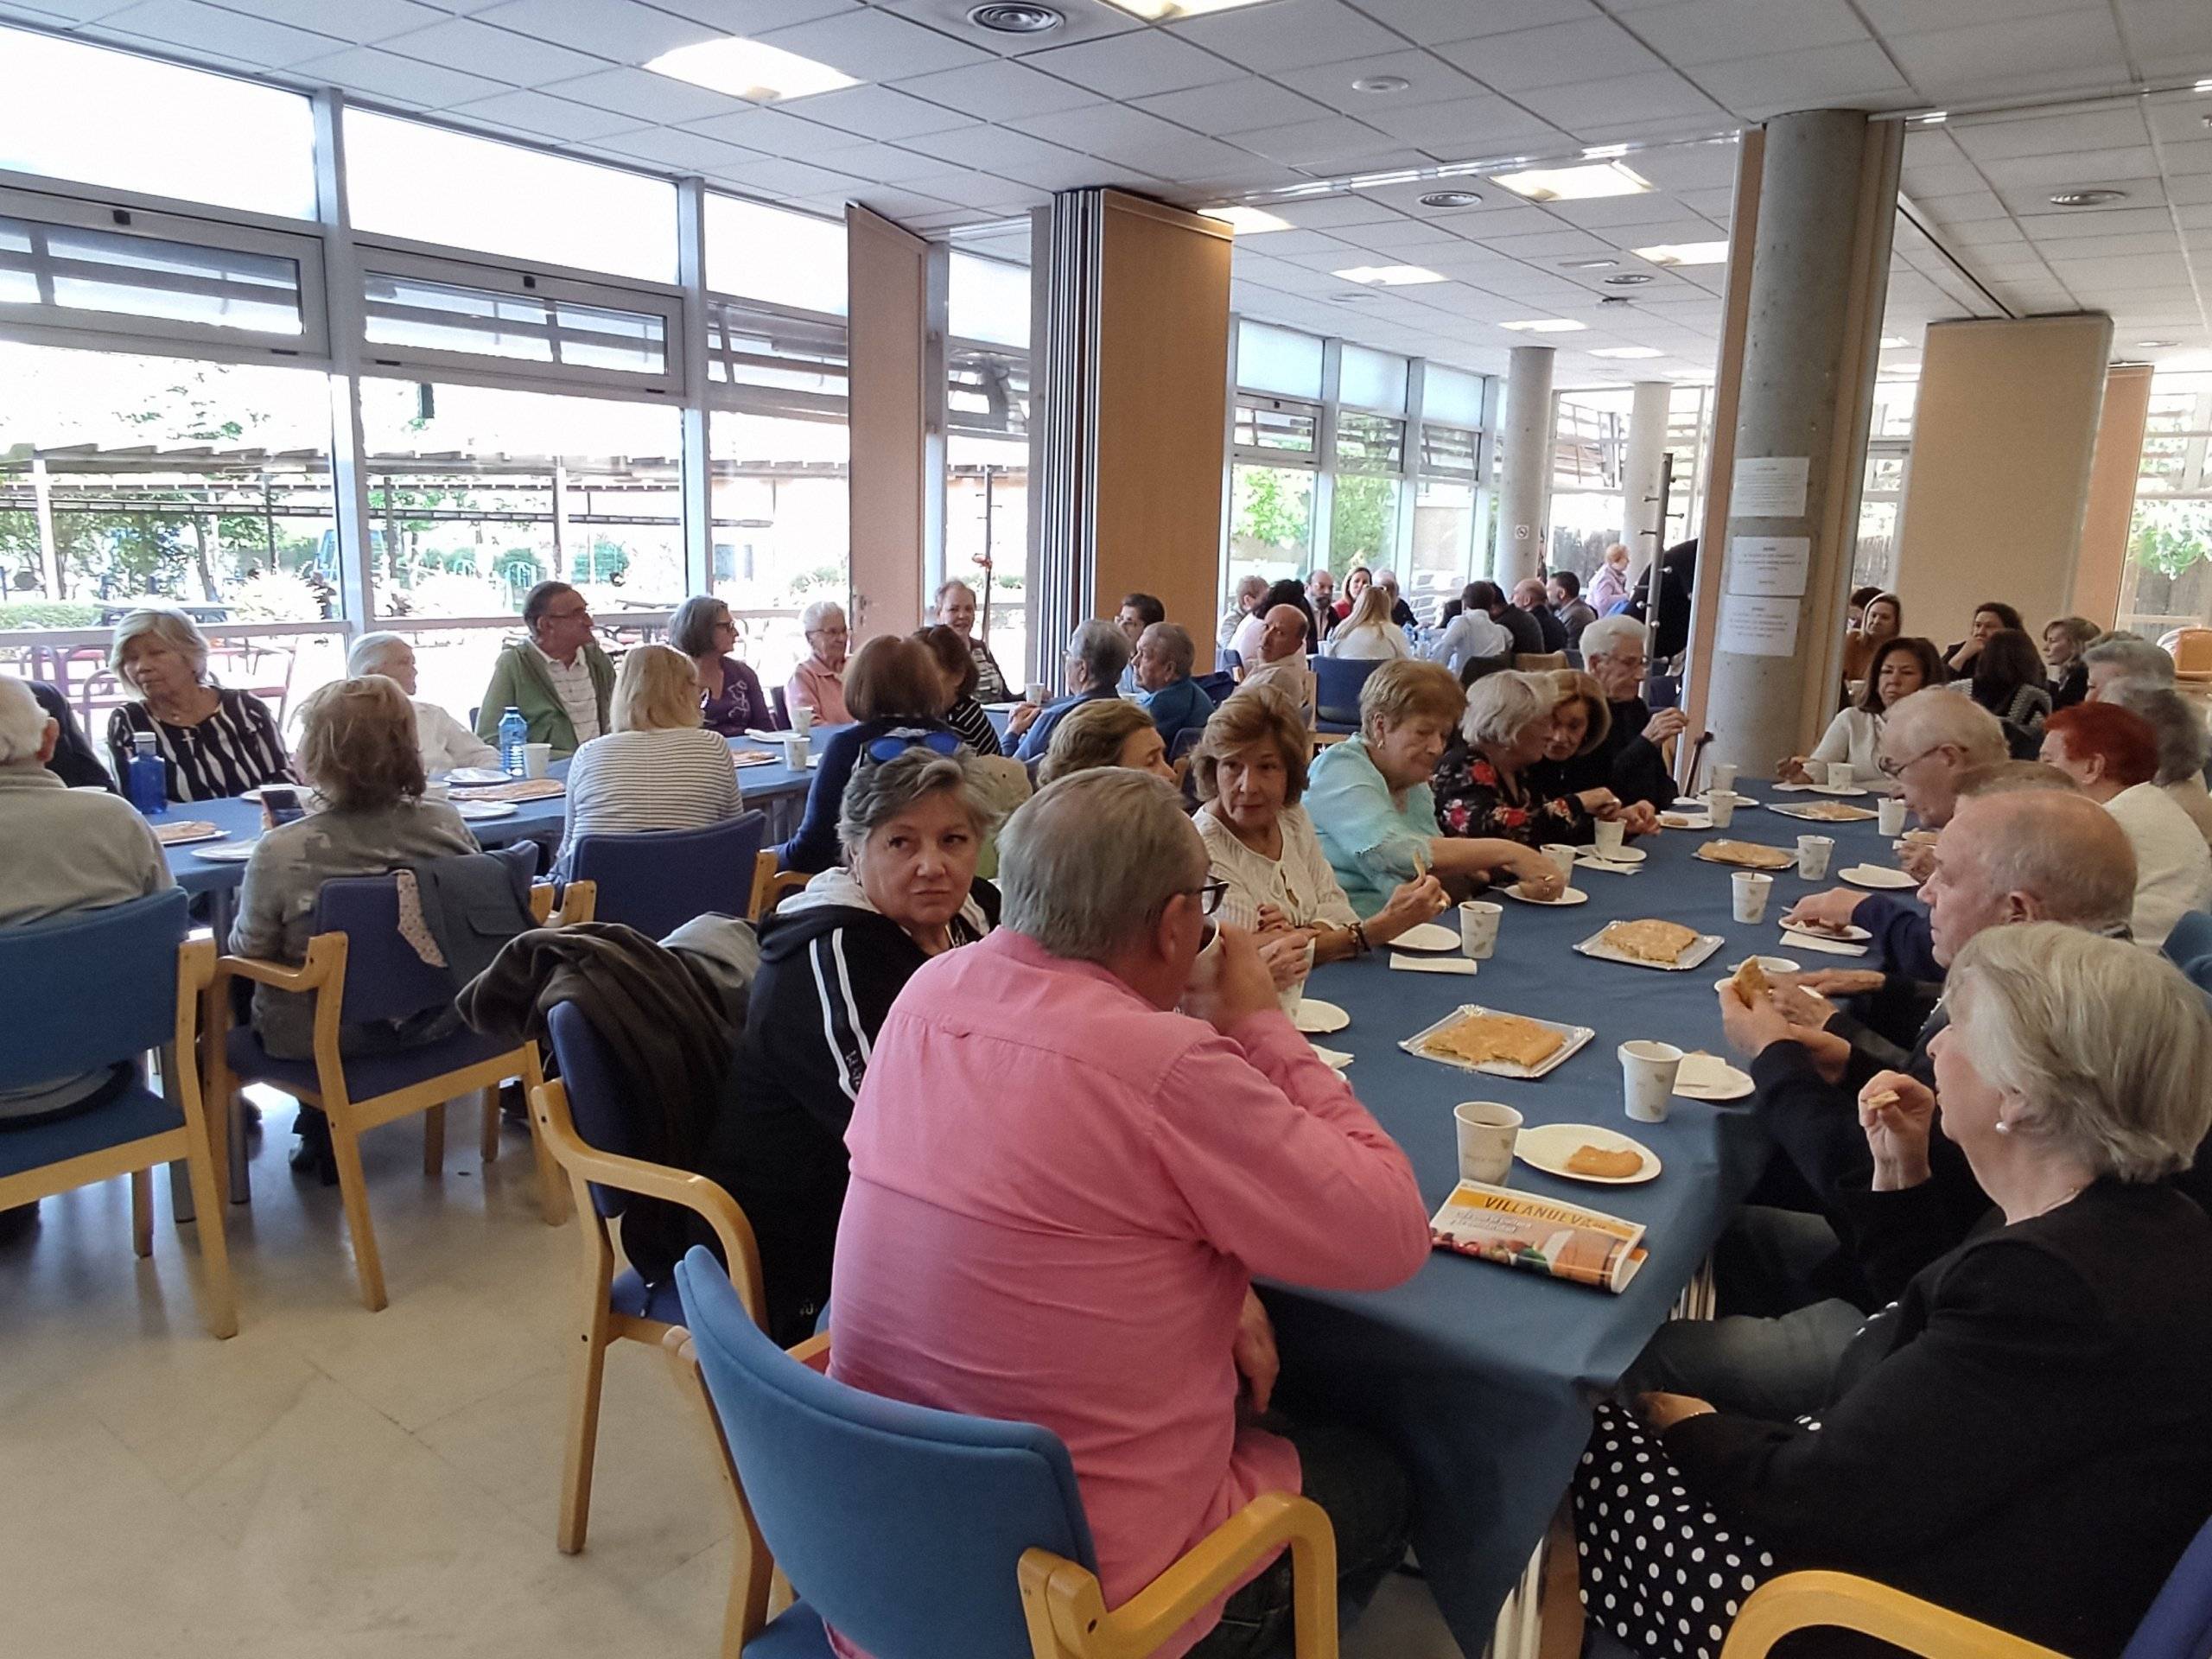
(1015, 17)
(1574, 183)
(1545, 326)
(2086, 198)
(1627, 351)
(1380, 84)
(1389, 275)
(1376, 181)
(1685, 253)
(1248, 221)
(1588, 264)
(2204, 85)
(1168, 12)
(1450, 199)
(1628, 279)
(749, 69)
(1891, 342)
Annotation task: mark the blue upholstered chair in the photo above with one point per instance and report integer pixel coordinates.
(93, 989)
(1217, 686)
(358, 968)
(2189, 947)
(1338, 682)
(585, 1120)
(1226, 661)
(932, 1535)
(659, 879)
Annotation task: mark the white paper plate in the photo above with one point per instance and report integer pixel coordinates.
(1577, 1037)
(467, 776)
(1548, 1146)
(1707, 1077)
(1771, 964)
(1336, 1059)
(1571, 896)
(1625, 855)
(1705, 945)
(1672, 820)
(1876, 875)
(1844, 935)
(1318, 1019)
(1848, 789)
(1704, 802)
(1427, 937)
(1813, 816)
(212, 833)
(477, 811)
(229, 852)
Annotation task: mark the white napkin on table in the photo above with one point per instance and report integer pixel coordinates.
(1812, 942)
(1595, 863)
(1406, 964)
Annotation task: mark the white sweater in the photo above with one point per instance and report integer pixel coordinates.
(2173, 866)
(1856, 736)
(446, 743)
(627, 782)
(1378, 643)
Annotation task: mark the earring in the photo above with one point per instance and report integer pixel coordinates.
(2003, 1127)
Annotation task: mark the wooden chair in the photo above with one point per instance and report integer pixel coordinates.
(93, 989)
(1539, 662)
(1798, 1601)
(770, 884)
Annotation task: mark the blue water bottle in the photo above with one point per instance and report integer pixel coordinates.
(514, 732)
(147, 784)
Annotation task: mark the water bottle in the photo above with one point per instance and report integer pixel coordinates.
(148, 783)
(514, 732)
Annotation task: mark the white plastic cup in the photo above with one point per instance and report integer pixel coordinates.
(1608, 832)
(1813, 855)
(1722, 807)
(1487, 1134)
(1561, 854)
(1648, 1074)
(535, 757)
(1889, 815)
(1291, 996)
(435, 790)
(802, 719)
(1724, 775)
(1750, 890)
(1839, 774)
(1479, 921)
(1037, 693)
(795, 747)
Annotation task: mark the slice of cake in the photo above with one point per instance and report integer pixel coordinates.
(1480, 1039)
(1650, 940)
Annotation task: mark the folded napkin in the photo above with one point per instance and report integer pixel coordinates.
(1813, 941)
(1596, 863)
(1406, 964)
(1332, 1057)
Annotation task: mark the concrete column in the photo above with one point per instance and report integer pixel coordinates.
(1641, 526)
(1819, 276)
(1524, 493)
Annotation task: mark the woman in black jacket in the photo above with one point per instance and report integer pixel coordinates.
(833, 959)
(892, 685)
(2025, 1435)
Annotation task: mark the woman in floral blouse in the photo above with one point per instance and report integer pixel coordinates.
(1481, 786)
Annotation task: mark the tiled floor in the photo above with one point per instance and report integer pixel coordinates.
(337, 1483)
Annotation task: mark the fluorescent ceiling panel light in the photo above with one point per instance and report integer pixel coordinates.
(1685, 253)
(1376, 181)
(1392, 276)
(1627, 351)
(749, 69)
(1168, 12)
(1603, 152)
(1248, 221)
(1933, 118)
(1545, 326)
(1574, 183)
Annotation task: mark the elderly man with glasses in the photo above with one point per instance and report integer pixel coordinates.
(1097, 653)
(1616, 650)
(557, 675)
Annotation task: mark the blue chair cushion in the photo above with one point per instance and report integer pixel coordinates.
(795, 1633)
(367, 1076)
(134, 1115)
(629, 1295)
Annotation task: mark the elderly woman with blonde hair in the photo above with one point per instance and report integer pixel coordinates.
(1485, 785)
(2039, 1385)
(1105, 734)
(1581, 720)
(658, 768)
(213, 740)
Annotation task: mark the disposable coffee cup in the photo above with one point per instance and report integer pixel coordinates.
(1039, 693)
(1479, 921)
(1839, 774)
(795, 747)
(1813, 854)
(1608, 832)
(1487, 1134)
(1648, 1073)
(1291, 996)
(802, 719)
(1560, 855)
(1750, 890)
(1722, 807)
(1889, 815)
(437, 792)
(535, 757)
(1723, 774)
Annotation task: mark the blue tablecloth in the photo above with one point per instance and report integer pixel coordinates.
(1481, 1376)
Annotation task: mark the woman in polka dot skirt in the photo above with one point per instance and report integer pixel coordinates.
(2025, 1436)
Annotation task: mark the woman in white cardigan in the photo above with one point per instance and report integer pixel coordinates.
(2112, 755)
(1369, 635)
(1900, 667)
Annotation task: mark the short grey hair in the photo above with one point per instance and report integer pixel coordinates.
(691, 630)
(2060, 848)
(2179, 728)
(22, 723)
(1608, 634)
(1173, 643)
(369, 651)
(2137, 659)
(1087, 864)
(2107, 1047)
(880, 791)
(1936, 715)
(1251, 586)
(818, 613)
(1502, 706)
(1102, 648)
(173, 628)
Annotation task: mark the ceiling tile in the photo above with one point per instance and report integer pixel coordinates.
(873, 46)
(883, 163)
(1713, 31)
(692, 152)
(2175, 160)
(1429, 82)
(1986, 138)
(1954, 179)
(1013, 155)
(209, 28)
(2070, 50)
(1406, 236)
(553, 117)
(1433, 22)
(776, 132)
(1858, 76)
(1331, 213)
(752, 16)
(651, 97)
(1554, 55)
(2052, 228)
(1609, 211)
(774, 177)
(2167, 37)
(1678, 168)
(1005, 89)
(2084, 166)
(1086, 20)
(366, 69)
(1240, 105)
(496, 54)
(1288, 34)
(977, 191)
(362, 21)
(1661, 95)
(1119, 133)
(879, 112)
(1326, 142)
(1133, 66)
(621, 30)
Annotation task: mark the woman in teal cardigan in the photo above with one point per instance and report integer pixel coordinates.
(559, 625)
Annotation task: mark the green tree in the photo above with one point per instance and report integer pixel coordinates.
(2170, 537)
(1267, 511)
(1361, 531)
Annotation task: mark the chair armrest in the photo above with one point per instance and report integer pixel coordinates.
(578, 903)
(1798, 1601)
(813, 1353)
(1068, 1598)
(311, 974)
(770, 884)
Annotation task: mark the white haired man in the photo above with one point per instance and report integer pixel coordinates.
(444, 741)
(1097, 652)
(1162, 664)
(1089, 1266)
(2124, 656)
(1616, 651)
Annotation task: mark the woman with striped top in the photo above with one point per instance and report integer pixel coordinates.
(958, 665)
(659, 769)
(213, 741)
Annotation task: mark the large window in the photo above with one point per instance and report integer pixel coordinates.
(987, 447)
(2167, 581)
(1270, 522)
(767, 253)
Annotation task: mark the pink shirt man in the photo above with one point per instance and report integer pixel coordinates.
(822, 689)
(1059, 1198)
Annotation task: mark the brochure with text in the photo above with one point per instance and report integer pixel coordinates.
(1539, 1234)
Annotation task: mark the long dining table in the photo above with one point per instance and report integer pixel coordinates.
(1483, 1377)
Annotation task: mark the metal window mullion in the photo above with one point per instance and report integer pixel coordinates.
(936, 330)
(697, 486)
(1321, 529)
(345, 329)
(1408, 466)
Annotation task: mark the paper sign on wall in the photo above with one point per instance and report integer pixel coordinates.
(1769, 564)
(1755, 625)
(1769, 487)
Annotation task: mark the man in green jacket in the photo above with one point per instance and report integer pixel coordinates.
(559, 677)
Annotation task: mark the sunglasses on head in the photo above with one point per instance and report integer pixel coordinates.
(891, 745)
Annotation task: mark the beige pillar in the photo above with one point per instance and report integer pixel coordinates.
(887, 299)
(2002, 436)
(2103, 563)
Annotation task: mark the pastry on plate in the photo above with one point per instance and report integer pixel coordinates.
(1751, 855)
(1481, 1038)
(1751, 982)
(1612, 1163)
(1833, 812)
(1650, 940)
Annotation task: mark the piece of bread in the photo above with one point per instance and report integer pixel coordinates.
(1650, 940)
(1480, 1039)
(1752, 983)
(1606, 1161)
(1751, 855)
